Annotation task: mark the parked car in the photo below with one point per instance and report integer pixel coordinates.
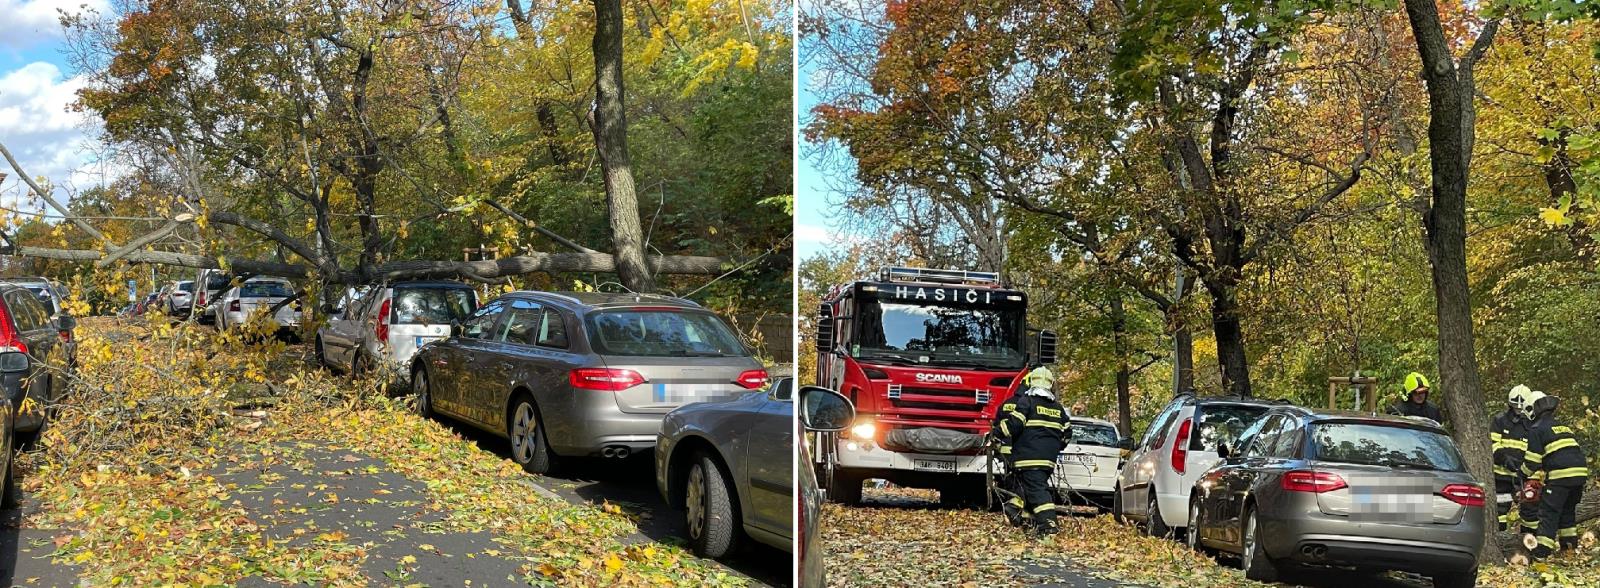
(573, 374)
(48, 292)
(821, 411)
(37, 375)
(729, 466)
(180, 298)
(11, 362)
(237, 304)
(1086, 471)
(1153, 486)
(386, 326)
(205, 298)
(1346, 489)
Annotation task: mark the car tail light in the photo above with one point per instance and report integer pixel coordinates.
(200, 298)
(752, 379)
(1180, 447)
(66, 336)
(233, 306)
(9, 341)
(610, 380)
(381, 332)
(1464, 494)
(1310, 481)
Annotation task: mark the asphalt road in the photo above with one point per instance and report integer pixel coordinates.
(630, 484)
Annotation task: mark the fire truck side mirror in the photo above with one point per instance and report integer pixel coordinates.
(1047, 347)
(825, 328)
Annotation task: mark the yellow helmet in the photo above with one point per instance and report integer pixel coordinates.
(1040, 377)
(1416, 380)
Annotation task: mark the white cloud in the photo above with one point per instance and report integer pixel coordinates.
(29, 22)
(46, 137)
(812, 234)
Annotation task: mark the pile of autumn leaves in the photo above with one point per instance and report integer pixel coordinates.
(902, 537)
(126, 470)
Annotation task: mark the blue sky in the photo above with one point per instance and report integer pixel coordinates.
(36, 88)
(813, 226)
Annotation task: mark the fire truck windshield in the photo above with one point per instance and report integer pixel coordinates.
(953, 336)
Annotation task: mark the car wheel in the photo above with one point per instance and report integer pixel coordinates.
(419, 384)
(1466, 579)
(1116, 506)
(1257, 565)
(322, 356)
(528, 446)
(711, 513)
(1156, 526)
(10, 494)
(1192, 536)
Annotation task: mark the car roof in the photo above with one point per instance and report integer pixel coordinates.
(1341, 414)
(1236, 400)
(612, 299)
(429, 283)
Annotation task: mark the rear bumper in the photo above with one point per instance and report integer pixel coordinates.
(589, 434)
(1422, 557)
(1087, 483)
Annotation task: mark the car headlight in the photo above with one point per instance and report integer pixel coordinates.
(863, 430)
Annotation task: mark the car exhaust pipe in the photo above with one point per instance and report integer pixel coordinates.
(622, 452)
(616, 451)
(609, 452)
(1314, 551)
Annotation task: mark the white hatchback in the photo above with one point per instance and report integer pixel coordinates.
(1153, 487)
(1086, 470)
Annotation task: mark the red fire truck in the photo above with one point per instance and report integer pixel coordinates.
(927, 356)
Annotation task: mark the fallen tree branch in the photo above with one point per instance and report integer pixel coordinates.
(400, 270)
(45, 194)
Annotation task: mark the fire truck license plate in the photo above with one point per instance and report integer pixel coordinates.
(937, 465)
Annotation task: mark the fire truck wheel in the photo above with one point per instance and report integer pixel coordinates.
(711, 514)
(844, 488)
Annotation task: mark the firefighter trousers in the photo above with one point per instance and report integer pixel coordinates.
(1558, 516)
(1038, 500)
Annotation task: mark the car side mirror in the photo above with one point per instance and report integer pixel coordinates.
(65, 322)
(13, 361)
(824, 410)
(1125, 443)
(1223, 451)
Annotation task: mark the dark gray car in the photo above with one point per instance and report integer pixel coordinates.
(38, 352)
(1344, 489)
(574, 374)
(730, 467)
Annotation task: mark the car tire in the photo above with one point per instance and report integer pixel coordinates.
(1156, 526)
(711, 514)
(1116, 506)
(424, 400)
(1191, 535)
(525, 429)
(322, 355)
(10, 494)
(1466, 579)
(1257, 564)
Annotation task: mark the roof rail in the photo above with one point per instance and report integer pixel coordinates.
(942, 276)
(554, 295)
(673, 298)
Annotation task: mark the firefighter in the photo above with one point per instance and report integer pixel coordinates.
(1508, 435)
(1035, 431)
(1414, 402)
(1554, 458)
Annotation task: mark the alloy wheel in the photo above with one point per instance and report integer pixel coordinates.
(524, 427)
(1249, 540)
(695, 501)
(422, 393)
(1193, 536)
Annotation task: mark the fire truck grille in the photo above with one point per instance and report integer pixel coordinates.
(966, 401)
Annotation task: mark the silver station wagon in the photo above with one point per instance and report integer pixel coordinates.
(580, 374)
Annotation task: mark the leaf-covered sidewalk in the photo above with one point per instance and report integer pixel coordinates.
(177, 463)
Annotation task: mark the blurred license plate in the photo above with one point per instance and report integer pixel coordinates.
(424, 340)
(685, 393)
(1391, 502)
(934, 465)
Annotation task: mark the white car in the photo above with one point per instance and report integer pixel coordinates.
(385, 326)
(1086, 471)
(180, 298)
(1153, 487)
(257, 295)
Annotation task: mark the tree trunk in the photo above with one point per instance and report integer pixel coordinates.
(1230, 337)
(1119, 334)
(1450, 98)
(611, 142)
(1184, 365)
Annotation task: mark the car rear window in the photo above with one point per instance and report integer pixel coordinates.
(1094, 434)
(265, 290)
(1222, 423)
(662, 333)
(416, 305)
(1385, 445)
(217, 281)
(186, 286)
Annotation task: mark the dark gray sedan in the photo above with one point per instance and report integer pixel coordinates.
(730, 467)
(1315, 488)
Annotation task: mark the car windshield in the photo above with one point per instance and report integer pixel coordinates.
(265, 290)
(1386, 445)
(1222, 423)
(955, 336)
(662, 333)
(433, 305)
(1094, 434)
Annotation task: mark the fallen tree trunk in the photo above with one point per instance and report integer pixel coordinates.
(1588, 510)
(400, 270)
